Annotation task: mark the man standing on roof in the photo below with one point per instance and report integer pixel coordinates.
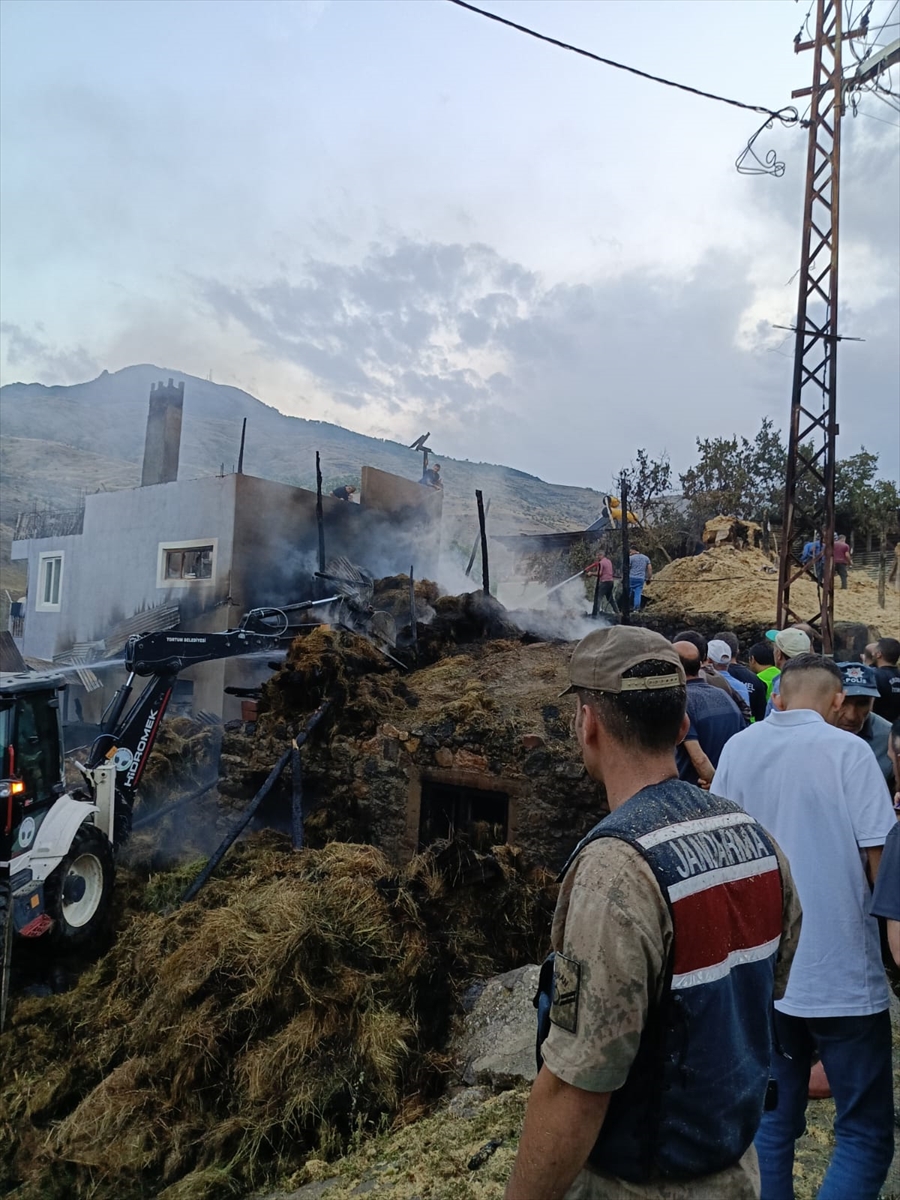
(819, 791)
(675, 925)
(812, 553)
(431, 477)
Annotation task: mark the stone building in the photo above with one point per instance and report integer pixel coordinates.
(478, 743)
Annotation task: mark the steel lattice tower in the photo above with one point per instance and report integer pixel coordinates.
(809, 481)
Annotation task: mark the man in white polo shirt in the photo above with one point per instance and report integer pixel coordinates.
(819, 792)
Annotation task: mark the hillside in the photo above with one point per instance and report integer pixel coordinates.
(62, 442)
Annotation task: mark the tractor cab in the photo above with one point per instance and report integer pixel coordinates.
(32, 771)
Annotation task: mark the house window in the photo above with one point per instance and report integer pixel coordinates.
(182, 564)
(49, 582)
(189, 564)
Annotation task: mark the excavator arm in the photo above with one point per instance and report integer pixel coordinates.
(127, 738)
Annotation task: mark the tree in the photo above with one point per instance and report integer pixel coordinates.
(660, 524)
(737, 477)
(863, 504)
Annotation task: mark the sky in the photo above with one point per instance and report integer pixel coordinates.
(399, 216)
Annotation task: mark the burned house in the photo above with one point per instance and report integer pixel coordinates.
(195, 554)
(476, 743)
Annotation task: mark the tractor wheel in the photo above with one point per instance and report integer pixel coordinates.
(78, 894)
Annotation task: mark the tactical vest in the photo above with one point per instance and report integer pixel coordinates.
(695, 1093)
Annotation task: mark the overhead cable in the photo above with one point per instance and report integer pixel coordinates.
(787, 116)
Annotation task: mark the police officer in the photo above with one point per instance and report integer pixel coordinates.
(676, 922)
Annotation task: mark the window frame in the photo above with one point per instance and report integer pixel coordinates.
(168, 547)
(44, 559)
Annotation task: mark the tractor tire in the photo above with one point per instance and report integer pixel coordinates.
(78, 894)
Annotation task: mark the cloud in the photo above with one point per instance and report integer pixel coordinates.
(38, 358)
(565, 380)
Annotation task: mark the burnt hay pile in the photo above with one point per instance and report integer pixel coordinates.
(301, 1000)
(184, 757)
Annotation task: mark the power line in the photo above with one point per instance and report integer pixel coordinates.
(883, 26)
(787, 116)
(872, 117)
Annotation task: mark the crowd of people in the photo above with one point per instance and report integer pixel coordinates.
(717, 934)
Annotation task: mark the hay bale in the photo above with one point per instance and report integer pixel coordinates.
(739, 532)
(323, 665)
(301, 1000)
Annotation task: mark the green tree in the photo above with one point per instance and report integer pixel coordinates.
(661, 527)
(737, 477)
(865, 506)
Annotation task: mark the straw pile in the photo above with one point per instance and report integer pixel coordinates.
(301, 1001)
(730, 529)
(730, 582)
(184, 757)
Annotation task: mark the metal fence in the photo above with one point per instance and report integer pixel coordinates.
(49, 523)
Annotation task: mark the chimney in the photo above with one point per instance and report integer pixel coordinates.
(163, 441)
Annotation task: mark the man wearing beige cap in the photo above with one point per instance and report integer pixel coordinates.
(675, 925)
(786, 644)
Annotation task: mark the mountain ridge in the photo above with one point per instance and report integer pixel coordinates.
(62, 441)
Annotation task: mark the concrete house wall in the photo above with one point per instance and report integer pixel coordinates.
(265, 553)
(112, 570)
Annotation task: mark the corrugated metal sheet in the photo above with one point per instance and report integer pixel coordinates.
(10, 658)
(82, 652)
(42, 665)
(149, 620)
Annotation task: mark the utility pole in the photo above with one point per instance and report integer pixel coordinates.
(809, 480)
(626, 553)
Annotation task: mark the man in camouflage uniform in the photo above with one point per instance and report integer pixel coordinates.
(676, 922)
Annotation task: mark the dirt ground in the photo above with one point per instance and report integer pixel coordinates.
(745, 582)
(465, 1151)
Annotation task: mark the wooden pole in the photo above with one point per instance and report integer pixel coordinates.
(882, 572)
(485, 575)
(413, 623)
(247, 815)
(487, 509)
(626, 555)
(296, 799)
(240, 466)
(320, 518)
(239, 826)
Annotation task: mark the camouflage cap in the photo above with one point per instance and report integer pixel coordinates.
(600, 660)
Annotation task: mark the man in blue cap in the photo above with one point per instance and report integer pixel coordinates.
(860, 688)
